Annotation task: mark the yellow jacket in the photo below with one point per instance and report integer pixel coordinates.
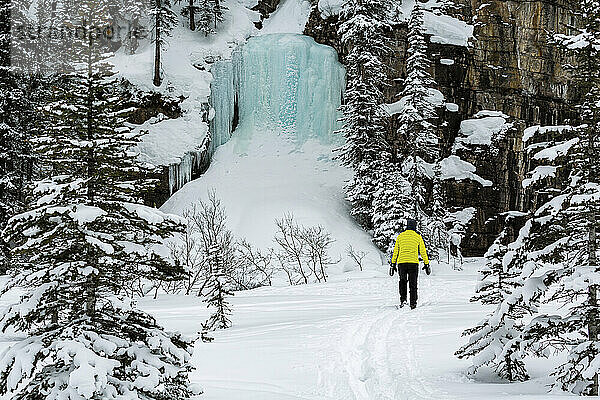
(408, 246)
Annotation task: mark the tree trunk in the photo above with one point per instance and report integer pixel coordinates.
(509, 369)
(593, 294)
(192, 16)
(133, 37)
(157, 42)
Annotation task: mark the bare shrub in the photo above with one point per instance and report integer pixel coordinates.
(292, 247)
(356, 255)
(317, 242)
(256, 266)
(303, 251)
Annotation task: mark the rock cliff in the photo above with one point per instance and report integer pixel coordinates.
(510, 66)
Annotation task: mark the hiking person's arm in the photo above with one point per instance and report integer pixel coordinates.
(423, 252)
(396, 251)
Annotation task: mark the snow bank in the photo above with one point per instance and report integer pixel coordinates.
(532, 131)
(443, 29)
(447, 30)
(558, 150)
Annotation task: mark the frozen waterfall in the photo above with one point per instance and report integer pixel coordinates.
(285, 83)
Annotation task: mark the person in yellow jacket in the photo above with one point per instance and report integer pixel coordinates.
(405, 260)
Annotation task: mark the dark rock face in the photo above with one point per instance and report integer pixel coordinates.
(509, 66)
(149, 104)
(265, 8)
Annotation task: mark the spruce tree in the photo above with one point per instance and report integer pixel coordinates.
(190, 11)
(218, 288)
(218, 10)
(493, 342)
(134, 12)
(363, 27)
(17, 92)
(205, 17)
(436, 229)
(84, 238)
(391, 206)
(421, 141)
(566, 257)
(163, 21)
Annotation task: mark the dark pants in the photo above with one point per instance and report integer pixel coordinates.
(408, 272)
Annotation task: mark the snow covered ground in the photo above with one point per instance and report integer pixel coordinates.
(344, 340)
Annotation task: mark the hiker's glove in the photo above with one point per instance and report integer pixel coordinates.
(427, 269)
(392, 269)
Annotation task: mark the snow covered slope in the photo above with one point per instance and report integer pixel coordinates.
(280, 158)
(345, 340)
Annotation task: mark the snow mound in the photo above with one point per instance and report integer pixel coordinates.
(481, 129)
(291, 16)
(453, 167)
(260, 180)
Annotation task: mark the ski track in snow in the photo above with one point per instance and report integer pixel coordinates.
(376, 356)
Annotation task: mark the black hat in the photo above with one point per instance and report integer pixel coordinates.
(411, 225)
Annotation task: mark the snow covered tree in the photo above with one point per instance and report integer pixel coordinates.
(17, 111)
(218, 288)
(363, 27)
(134, 12)
(84, 239)
(493, 341)
(205, 17)
(163, 21)
(218, 10)
(436, 231)
(190, 10)
(391, 207)
(421, 141)
(566, 256)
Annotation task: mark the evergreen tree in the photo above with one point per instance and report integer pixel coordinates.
(218, 10)
(436, 230)
(494, 342)
(363, 28)
(190, 10)
(421, 141)
(391, 206)
(205, 17)
(84, 239)
(16, 112)
(566, 256)
(218, 288)
(163, 21)
(134, 12)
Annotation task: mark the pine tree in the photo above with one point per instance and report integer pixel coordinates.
(415, 118)
(391, 206)
(16, 112)
(190, 10)
(494, 342)
(134, 12)
(218, 288)
(84, 239)
(163, 21)
(218, 10)
(363, 28)
(205, 17)
(567, 254)
(437, 232)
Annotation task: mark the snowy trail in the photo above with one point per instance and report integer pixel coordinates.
(342, 340)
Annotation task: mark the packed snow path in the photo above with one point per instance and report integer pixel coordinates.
(342, 340)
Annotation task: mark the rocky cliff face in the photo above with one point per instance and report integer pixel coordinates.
(509, 66)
